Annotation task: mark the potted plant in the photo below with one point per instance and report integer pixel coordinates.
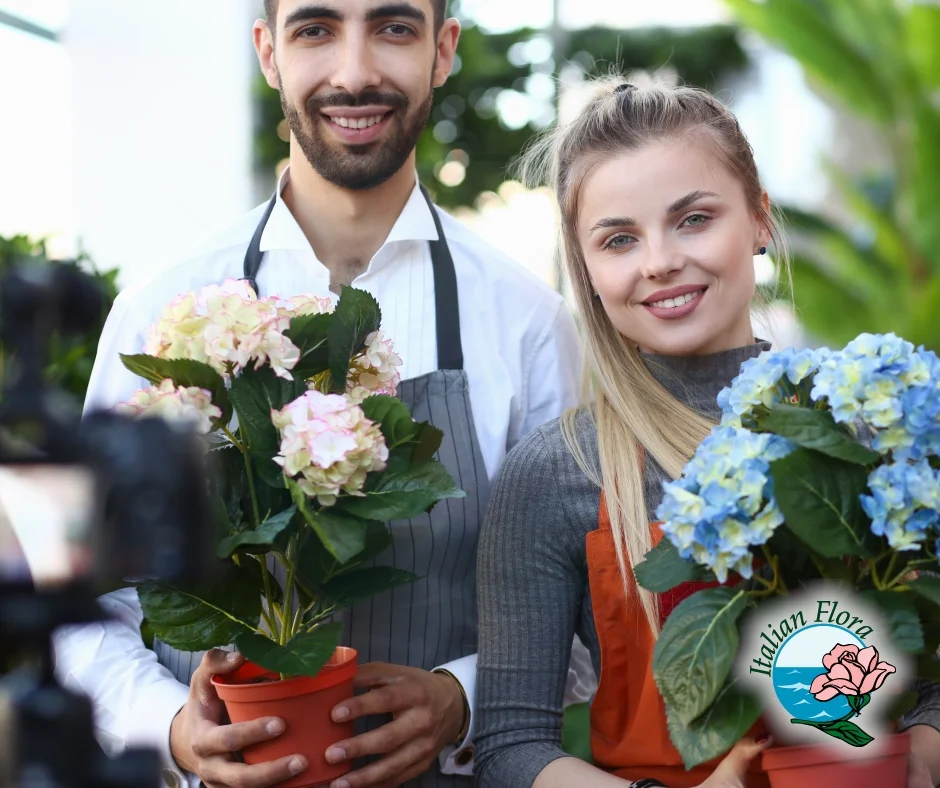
(824, 469)
(310, 454)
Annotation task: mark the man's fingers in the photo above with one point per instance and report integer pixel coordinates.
(234, 738)
(376, 674)
(217, 771)
(395, 697)
(388, 738)
(397, 768)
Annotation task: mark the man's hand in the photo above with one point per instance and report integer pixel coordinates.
(203, 745)
(428, 711)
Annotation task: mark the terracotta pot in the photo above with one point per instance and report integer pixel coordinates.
(304, 704)
(818, 767)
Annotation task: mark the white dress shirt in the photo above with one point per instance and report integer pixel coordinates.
(522, 358)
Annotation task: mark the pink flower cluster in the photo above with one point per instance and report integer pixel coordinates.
(328, 445)
(227, 327)
(375, 370)
(191, 407)
(851, 672)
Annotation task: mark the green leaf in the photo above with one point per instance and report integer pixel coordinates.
(724, 724)
(928, 586)
(317, 565)
(310, 333)
(847, 731)
(342, 535)
(256, 540)
(923, 32)
(197, 619)
(428, 442)
(662, 569)
(902, 705)
(304, 655)
(696, 650)
(901, 614)
(393, 418)
(801, 28)
(347, 589)
(356, 316)
(816, 429)
(399, 496)
(182, 372)
(819, 498)
(378, 539)
(858, 702)
(255, 394)
(924, 184)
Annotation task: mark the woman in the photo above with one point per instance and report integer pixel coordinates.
(662, 213)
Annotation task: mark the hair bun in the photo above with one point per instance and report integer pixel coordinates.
(626, 86)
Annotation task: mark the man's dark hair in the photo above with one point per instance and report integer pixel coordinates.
(440, 13)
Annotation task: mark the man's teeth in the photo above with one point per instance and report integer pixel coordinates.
(672, 303)
(358, 123)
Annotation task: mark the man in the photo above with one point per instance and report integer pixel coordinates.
(489, 354)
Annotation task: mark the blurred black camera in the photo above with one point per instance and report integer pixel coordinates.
(86, 505)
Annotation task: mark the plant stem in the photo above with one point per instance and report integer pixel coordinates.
(287, 631)
(232, 439)
(269, 598)
(890, 568)
(874, 574)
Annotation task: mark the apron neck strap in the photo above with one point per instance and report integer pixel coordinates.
(447, 309)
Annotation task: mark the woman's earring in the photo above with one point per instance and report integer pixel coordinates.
(597, 296)
(763, 250)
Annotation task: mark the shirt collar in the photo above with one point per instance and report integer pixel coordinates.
(415, 223)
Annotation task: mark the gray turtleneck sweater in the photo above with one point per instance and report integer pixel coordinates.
(533, 587)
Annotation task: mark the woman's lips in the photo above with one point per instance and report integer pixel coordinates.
(691, 302)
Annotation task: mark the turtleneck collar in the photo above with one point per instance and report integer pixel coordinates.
(697, 380)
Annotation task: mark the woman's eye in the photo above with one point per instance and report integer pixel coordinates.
(617, 242)
(696, 220)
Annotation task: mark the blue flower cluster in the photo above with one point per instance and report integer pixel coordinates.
(771, 378)
(892, 387)
(723, 503)
(904, 504)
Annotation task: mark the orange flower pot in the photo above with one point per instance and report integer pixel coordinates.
(304, 704)
(818, 767)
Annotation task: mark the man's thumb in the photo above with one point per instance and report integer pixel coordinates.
(214, 663)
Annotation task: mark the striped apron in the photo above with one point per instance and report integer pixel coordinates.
(432, 621)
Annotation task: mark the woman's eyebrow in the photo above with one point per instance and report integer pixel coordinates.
(684, 202)
(613, 221)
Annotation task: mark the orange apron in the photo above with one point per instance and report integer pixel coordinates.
(629, 737)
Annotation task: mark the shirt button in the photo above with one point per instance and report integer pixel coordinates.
(171, 779)
(464, 757)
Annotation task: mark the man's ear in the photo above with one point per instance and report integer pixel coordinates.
(446, 51)
(264, 46)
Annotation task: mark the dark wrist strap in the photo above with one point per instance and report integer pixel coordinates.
(647, 782)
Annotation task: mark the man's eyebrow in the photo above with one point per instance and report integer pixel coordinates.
(684, 202)
(405, 10)
(308, 12)
(613, 221)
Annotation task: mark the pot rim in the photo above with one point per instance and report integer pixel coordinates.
(802, 756)
(233, 688)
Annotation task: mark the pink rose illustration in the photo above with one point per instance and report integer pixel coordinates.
(851, 672)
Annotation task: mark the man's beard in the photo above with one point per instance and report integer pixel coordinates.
(358, 167)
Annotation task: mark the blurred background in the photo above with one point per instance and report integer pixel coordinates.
(132, 131)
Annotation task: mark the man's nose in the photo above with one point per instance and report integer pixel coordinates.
(356, 68)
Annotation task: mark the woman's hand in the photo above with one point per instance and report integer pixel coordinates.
(732, 771)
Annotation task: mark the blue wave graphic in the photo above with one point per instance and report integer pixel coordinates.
(797, 700)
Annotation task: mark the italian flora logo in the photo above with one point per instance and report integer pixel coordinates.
(819, 665)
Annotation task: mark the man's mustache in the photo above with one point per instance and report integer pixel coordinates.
(365, 99)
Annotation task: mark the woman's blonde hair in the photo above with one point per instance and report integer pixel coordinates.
(632, 411)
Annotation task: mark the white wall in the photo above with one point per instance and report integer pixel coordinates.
(161, 123)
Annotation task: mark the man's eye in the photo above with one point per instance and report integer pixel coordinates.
(312, 32)
(398, 30)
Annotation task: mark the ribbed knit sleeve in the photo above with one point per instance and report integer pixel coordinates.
(531, 582)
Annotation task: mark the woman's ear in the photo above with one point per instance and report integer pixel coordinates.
(764, 236)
